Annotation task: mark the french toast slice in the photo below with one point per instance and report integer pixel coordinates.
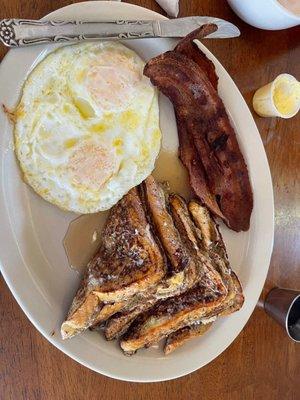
(233, 302)
(207, 272)
(213, 243)
(168, 316)
(183, 269)
(178, 338)
(129, 261)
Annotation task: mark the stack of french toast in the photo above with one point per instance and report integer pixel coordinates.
(161, 272)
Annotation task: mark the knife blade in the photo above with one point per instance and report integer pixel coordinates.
(25, 32)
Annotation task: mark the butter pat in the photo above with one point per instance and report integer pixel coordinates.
(280, 98)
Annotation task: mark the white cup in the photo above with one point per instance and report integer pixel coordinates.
(264, 14)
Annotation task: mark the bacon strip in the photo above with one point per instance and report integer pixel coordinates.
(208, 144)
(189, 49)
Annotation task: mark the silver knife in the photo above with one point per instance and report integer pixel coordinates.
(24, 32)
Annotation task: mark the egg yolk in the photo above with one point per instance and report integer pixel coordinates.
(91, 166)
(111, 80)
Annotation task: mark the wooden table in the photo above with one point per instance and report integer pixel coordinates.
(262, 363)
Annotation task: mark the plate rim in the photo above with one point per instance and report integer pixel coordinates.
(26, 309)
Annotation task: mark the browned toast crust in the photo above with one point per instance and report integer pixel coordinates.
(178, 338)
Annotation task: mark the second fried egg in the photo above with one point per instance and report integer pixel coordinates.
(87, 126)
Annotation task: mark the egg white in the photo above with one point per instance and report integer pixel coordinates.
(87, 126)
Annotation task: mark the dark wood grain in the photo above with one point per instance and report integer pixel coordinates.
(262, 363)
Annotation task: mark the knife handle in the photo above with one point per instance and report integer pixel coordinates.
(22, 32)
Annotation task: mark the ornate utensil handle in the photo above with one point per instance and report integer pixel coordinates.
(21, 32)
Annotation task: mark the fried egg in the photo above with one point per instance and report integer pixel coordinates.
(87, 126)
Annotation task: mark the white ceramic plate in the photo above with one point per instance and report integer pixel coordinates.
(33, 261)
